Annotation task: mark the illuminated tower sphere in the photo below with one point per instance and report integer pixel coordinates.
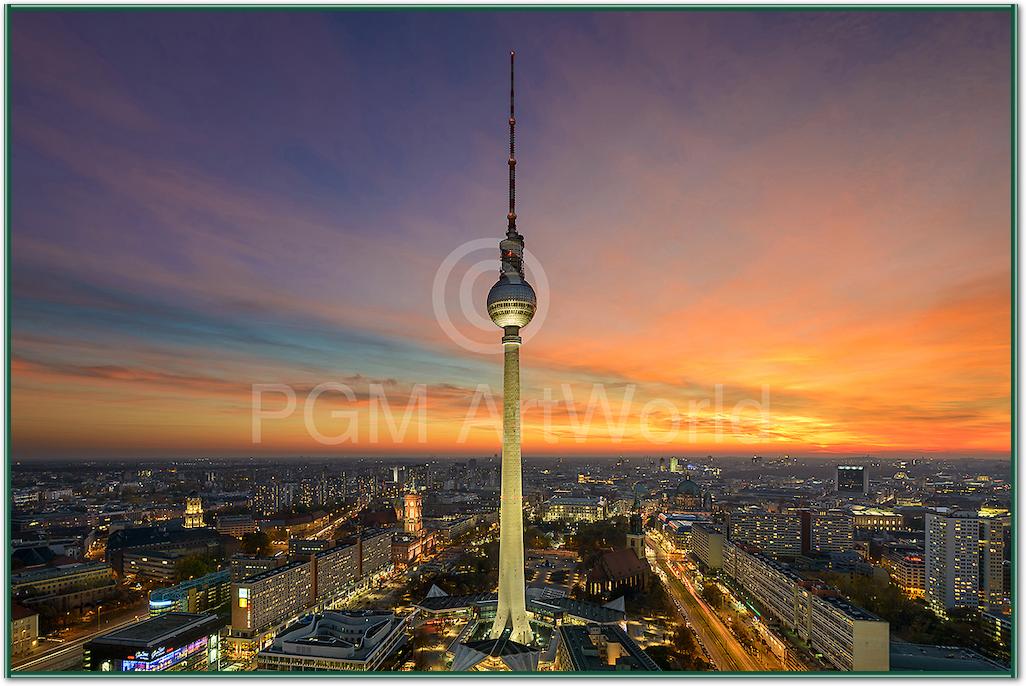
(511, 305)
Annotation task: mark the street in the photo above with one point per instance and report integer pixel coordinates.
(720, 643)
(67, 655)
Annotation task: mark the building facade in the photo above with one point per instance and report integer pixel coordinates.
(235, 525)
(776, 534)
(564, 508)
(172, 642)
(707, 545)
(852, 480)
(952, 560)
(208, 593)
(848, 637)
(263, 603)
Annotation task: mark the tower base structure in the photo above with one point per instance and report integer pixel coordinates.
(511, 612)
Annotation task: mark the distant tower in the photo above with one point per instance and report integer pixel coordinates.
(413, 520)
(636, 535)
(852, 480)
(193, 511)
(511, 305)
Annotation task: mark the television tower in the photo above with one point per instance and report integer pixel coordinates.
(511, 305)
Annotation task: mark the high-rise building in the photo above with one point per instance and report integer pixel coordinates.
(852, 480)
(776, 534)
(511, 305)
(993, 590)
(952, 559)
(827, 532)
(707, 545)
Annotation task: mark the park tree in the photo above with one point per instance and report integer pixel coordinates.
(256, 543)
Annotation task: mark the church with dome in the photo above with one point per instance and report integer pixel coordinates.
(687, 496)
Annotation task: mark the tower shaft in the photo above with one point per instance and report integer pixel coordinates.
(512, 607)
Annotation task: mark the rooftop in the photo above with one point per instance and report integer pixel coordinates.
(157, 630)
(914, 657)
(260, 576)
(340, 635)
(581, 643)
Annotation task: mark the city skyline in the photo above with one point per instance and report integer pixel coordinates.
(750, 303)
(811, 203)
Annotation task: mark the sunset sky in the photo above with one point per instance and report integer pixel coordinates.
(809, 211)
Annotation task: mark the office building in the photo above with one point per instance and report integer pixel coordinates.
(776, 534)
(243, 566)
(707, 545)
(876, 518)
(235, 525)
(64, 588)
(570, 509)
(336, 641)
(994, 592)
(208, 593)
(852, 480)
(850, 638)
(201, 541)
(827, 532)
(262, 603)
(152, 565)
(171, 642)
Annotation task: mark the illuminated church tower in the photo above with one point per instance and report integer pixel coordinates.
(193, 511)
(511, 305)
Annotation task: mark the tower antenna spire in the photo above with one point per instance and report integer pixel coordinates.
(511, 230)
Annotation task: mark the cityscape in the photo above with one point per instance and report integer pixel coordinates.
(483, 468)
(659, 563)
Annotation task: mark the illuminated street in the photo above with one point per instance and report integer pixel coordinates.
(723, 647)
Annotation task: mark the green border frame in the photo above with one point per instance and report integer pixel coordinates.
(1012, 9)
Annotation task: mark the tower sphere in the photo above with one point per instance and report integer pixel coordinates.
(511, 303)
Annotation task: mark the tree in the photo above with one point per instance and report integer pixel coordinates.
(256, 543)
(681, 654)
(910, 619)
(534, 538)
(713, 595)
(193, 567)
